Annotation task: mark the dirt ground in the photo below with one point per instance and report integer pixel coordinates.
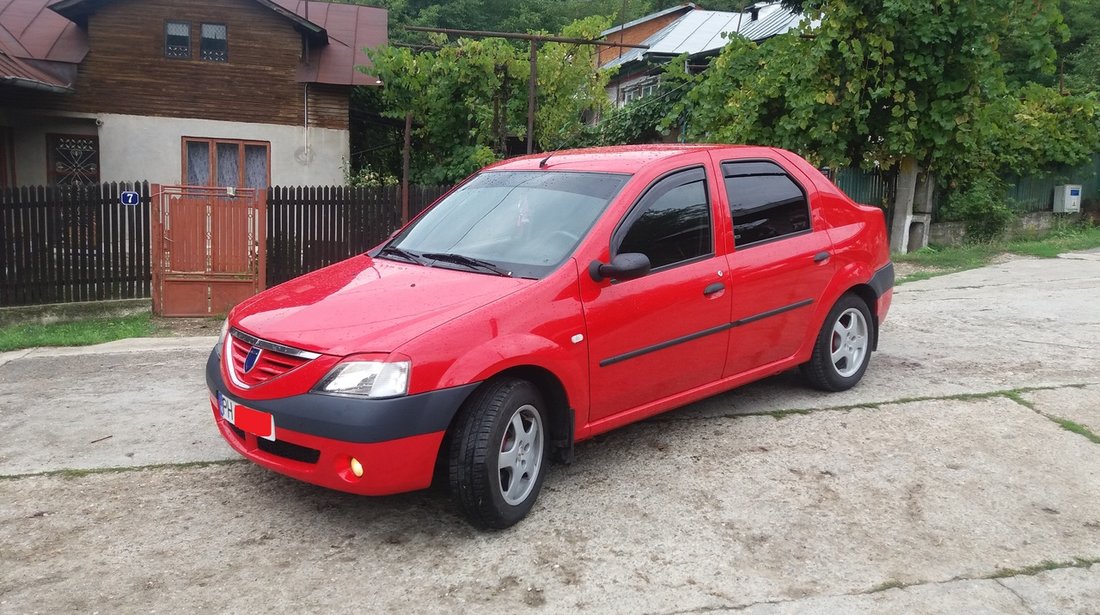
(961, 476)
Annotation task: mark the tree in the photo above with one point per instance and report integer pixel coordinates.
(898, 84)
(469, 96)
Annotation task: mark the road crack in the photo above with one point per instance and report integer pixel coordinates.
(1013, 394)
(997, 576)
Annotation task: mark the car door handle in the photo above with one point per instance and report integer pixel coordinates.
(821, 256)
(717, 287)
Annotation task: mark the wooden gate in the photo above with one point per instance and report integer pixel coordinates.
(207, 248)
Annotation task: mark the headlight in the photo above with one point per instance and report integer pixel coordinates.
(373, 379)
(221, 336)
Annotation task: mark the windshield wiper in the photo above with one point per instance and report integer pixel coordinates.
(468, 261)
(392, 251)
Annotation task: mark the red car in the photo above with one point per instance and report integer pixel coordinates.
(545, 300)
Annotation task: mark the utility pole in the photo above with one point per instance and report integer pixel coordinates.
(534, 39)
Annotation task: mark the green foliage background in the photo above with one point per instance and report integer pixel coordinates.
(970, 90)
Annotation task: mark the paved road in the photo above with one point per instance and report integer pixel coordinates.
(958, 477)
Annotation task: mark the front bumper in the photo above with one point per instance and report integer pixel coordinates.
(396, 440)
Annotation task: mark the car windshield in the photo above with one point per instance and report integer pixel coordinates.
(518, 223)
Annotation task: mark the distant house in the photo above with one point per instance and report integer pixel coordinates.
(202, 92)
(699, 33)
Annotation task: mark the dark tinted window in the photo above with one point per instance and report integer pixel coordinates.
(764, 201)
(672, 221)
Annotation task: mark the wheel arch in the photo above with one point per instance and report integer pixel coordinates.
(559, 412)
(867, 294)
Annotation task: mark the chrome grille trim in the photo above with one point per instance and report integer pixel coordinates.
(272, 346)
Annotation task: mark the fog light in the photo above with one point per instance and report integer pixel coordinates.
(356, 468)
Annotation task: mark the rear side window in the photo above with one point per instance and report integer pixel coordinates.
(671, 223)
(765, 202)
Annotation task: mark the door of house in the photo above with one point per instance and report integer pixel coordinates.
(207, 248)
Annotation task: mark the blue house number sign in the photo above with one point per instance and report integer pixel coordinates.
(130, 198)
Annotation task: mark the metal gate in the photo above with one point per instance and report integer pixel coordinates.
(207, 248)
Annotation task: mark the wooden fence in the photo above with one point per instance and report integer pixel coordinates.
(64, 244)
(69, 244)
(313, 227)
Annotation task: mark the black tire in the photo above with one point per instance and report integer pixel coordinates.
(826, 372)
(479, 487)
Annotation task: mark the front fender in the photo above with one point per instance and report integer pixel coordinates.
(568, 363)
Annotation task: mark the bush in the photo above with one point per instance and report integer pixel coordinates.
(980, 202)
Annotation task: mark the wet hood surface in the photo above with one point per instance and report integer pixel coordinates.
(367, 305)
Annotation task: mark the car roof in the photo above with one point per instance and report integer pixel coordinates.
(617, 159)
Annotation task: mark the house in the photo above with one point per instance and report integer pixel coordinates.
(685, 29)
(199, 92)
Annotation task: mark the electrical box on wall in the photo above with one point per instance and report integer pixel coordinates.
(1067, 199)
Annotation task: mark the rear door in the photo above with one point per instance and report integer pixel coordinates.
(780, 265)
(666, 332)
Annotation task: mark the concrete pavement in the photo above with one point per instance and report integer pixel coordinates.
(962, 475)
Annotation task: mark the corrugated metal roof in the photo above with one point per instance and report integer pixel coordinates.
(702, 31)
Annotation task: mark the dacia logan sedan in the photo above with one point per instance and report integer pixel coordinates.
(543, 301)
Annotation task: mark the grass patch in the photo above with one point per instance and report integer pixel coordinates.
(1064, 238)
(1061, 240)
(82, 473)
(1076, 428)
(1043, 567)
(881, 587)
(75, 333)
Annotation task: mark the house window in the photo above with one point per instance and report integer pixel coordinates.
(219, 162)
(72, 160)
(177, 39)
(215, 43)
(648, 88)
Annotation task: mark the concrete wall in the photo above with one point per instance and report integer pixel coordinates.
(1028, 226)
(150, 148)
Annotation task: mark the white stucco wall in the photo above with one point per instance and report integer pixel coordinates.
(150, 148)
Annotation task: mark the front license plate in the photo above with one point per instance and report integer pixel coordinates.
(258, 423)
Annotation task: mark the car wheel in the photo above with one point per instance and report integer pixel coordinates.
(843, 347)
(497, 453)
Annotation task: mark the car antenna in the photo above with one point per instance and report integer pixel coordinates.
(542, 164)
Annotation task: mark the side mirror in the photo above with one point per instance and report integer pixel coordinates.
(622, 267)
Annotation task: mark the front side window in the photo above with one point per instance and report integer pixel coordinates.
(177, 40)
(521, 223)
(215, 43)
(671, 223)
(765, 202)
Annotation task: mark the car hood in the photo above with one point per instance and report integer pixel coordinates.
(367, 305)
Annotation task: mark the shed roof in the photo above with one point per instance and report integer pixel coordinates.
(29, 30)
(700, 31)
(351, 28)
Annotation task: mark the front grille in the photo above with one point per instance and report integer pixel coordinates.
(269, 364)
(288, 450)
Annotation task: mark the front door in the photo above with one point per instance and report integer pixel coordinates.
(643, 332)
